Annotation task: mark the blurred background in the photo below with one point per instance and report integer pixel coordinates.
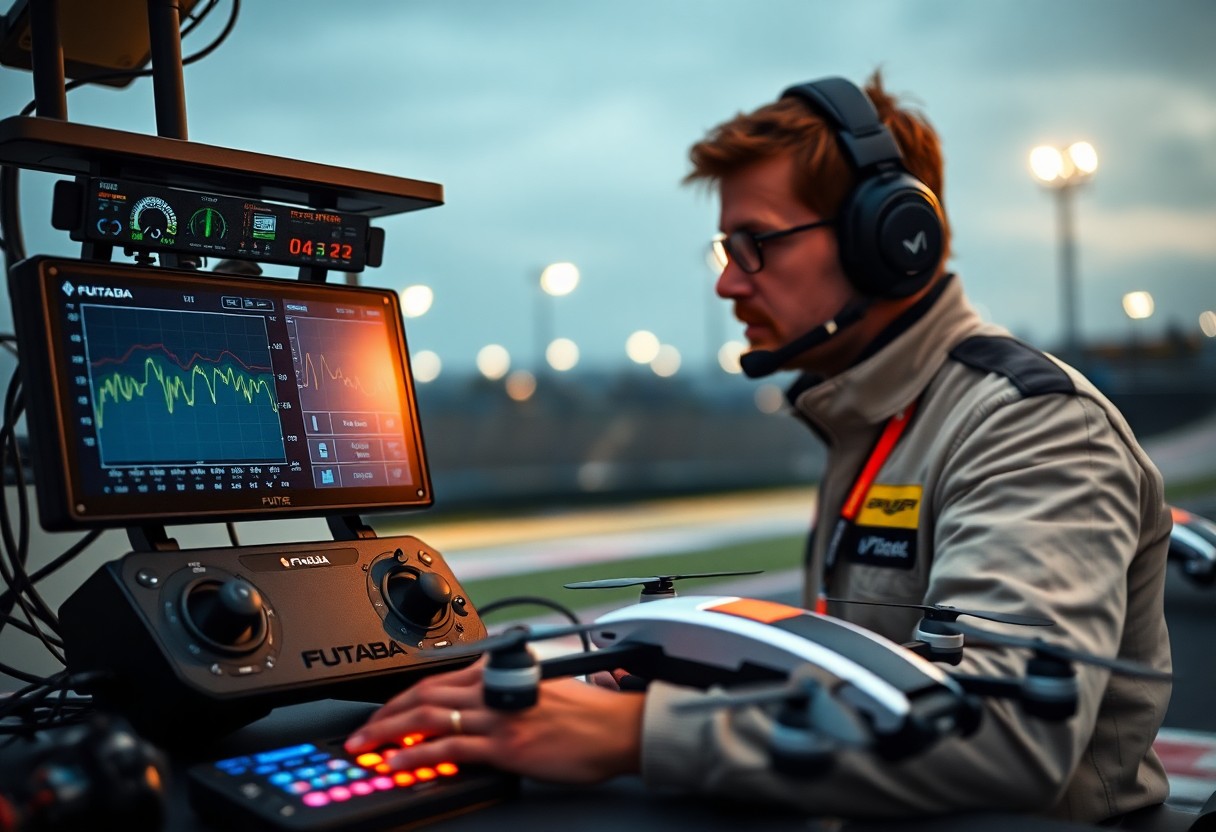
(561, 315)
(577, 377)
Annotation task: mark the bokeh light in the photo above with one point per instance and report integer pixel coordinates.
(493, 361)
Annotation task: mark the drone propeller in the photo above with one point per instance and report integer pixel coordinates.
(942, 612)
(654, 582)
(1058, 652)
(823, 713)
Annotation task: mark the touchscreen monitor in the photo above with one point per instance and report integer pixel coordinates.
(173, 397)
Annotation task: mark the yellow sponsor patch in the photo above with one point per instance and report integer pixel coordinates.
(891, 507)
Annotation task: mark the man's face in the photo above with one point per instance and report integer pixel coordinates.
(801, 285)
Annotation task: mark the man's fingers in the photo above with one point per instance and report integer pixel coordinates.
(427, 689)
(464, 748)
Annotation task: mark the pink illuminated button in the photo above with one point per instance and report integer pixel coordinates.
(315, 799)
(339, 793)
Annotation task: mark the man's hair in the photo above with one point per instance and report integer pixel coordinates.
(822, 175)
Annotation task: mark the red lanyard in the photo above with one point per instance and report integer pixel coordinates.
(887, 440)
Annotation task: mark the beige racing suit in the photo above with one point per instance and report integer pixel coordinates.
(1016, 487)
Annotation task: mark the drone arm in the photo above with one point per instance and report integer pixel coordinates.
(989, 685)
(606, 658)
(1051, 695)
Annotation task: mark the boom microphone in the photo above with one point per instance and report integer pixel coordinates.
(760, 363)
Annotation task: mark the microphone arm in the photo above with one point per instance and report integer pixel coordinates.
(760, 363)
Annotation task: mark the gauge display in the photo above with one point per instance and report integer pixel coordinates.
(153, 219)
(208, 224)
(145, 216)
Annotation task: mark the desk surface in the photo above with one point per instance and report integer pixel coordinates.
(620, 804)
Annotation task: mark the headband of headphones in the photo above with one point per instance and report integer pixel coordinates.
(863, 137)
(890, 227)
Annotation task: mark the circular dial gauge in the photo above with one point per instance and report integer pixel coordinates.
(152, 217)
(208, 224)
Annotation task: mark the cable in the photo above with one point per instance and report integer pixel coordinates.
(483, 610)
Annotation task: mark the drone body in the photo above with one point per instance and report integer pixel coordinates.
(703, 641)
(835, 684)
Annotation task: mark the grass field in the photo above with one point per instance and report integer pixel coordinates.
(769, 555)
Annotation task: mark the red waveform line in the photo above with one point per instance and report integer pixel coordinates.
(173, 357)
(311, 380)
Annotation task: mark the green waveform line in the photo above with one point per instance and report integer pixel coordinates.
(120, 387)
(312, 380)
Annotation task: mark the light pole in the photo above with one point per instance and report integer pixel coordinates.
(1139, 307)
(1062, 171)
(556, 280)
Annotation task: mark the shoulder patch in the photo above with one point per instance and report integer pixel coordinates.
(1028, 369)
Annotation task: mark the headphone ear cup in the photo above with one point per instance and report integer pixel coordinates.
(890, 235)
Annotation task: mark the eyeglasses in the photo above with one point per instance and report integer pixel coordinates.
(743, 247)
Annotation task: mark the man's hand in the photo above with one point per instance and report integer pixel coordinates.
(576, 732)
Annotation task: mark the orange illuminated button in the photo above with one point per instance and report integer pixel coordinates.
(404, 778)
(425, 773)
(765, 612)
(446, 769)
(369, 760)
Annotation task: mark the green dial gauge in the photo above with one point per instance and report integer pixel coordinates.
(152, 218)
(208, 224)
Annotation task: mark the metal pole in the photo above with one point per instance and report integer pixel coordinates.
(46, 56)
(168, 86)
(1068, 272)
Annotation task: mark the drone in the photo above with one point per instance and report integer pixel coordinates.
(833, 684)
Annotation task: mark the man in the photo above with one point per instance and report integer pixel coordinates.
(965, 468)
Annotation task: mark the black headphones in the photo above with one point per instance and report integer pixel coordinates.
(890, 225)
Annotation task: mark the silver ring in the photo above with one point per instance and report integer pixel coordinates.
(457, 722)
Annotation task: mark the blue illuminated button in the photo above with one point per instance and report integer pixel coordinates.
(280, 754)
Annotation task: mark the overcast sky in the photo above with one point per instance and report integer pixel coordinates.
(559, 130)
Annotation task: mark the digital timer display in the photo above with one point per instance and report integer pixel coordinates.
(150, 217)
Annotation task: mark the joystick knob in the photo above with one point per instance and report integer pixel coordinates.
(228, 615)
(421, 598)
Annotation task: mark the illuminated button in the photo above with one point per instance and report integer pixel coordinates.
(315, 799)
(290, 752)
(369, 760)
(446, 769)
(334, 778)
(299, 787)
(308, 772)
(339, 793)
(361, 787)
(383, 768)
(425, 773)
(404, 778)
(382, 783)
(281, 778)
(356, 773)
